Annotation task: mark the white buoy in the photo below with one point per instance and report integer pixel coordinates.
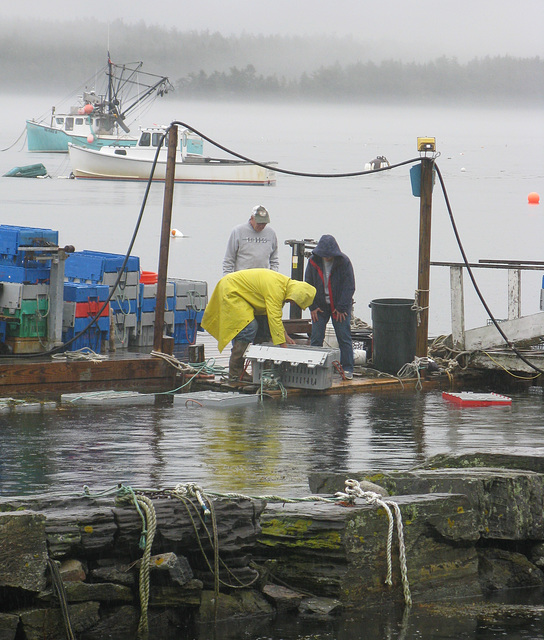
(176, 233)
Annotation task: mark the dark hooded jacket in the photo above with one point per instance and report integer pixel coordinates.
(341, 281)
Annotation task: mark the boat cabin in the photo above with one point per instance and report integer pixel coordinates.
(189, 143)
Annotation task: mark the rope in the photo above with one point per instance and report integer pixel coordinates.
(192, 491)
(508, 370)
(412, 369)
(146, 510)
(85, 353)
(147, 505)
(56, 579)
(415, 307)
(185, 492)
(271, 381)
(353, 490)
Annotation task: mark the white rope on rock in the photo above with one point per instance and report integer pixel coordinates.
(354, 490)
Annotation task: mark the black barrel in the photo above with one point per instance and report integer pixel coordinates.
(393, 333)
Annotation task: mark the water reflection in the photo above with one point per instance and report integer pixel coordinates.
(263, 448)
(397, 425)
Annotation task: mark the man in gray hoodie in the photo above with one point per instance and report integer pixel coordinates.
(252, 245)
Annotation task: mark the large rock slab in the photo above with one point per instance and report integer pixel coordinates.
(8, 626)
(529, 459)
(23, 551)
(508, 503)
(340, 552)
(48, 623)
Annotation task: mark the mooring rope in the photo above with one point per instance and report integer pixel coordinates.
(146, 510)
(354, 490)
(187, 492)
(412, 370)
(85, 353)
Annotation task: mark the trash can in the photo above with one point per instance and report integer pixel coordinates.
(393, 333)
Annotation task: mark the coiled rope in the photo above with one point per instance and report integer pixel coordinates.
(412, 370)
(145, 508)
(354, 490)
(85, 353)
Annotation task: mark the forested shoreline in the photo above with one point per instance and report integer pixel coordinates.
(61, 57)
(491, 79)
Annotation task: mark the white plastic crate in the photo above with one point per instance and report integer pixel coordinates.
(297, 366)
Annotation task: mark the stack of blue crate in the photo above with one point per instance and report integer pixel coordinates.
(82, 302)
(147, 300)
(25, 271)
(96, 267)
(191, 300)
(17, 264)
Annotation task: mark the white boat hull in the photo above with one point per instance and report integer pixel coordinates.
(136, 165)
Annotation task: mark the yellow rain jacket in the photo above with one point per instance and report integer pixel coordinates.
(242, 295)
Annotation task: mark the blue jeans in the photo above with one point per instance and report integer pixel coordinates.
(343, 335)
(258, 327)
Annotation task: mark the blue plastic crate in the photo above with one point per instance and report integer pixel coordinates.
(186, 325)
(13, 236)
(25, 275)
(92, 339)
(103, 324)
(91, 265)
(82, 292)
(126, 306)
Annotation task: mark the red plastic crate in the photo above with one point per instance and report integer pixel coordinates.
(471, 399)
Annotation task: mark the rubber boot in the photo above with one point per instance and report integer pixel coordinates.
(237, 361)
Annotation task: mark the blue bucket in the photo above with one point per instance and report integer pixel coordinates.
(415, 179)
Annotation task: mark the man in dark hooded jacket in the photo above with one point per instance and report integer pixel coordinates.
(330, 271)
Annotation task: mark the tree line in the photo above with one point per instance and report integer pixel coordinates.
(501, 79)
(53, 56)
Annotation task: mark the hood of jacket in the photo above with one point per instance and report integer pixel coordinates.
(327, 247)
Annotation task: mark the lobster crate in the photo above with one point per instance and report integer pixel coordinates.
(186, 325)
(16, 295)
(147, 298)
(24, 275)
(123, 329)
(83, 292)
(13, 237)
(190, 294)
(296, 366)
(94, 338)
(91, 266)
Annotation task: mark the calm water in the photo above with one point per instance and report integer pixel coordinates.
(490, 161)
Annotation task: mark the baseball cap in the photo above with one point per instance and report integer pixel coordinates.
(260, 214)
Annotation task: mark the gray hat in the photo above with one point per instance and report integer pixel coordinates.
(260, 214)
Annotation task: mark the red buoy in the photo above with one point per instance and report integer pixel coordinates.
(533, 198)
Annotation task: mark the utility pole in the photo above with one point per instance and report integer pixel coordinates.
(165, 238)
(425, 209)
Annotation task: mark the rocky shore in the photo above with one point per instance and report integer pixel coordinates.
(125, 563)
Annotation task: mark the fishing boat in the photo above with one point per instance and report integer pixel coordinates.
(99, 119)
(136, 163)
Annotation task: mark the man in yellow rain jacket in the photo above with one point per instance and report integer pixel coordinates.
(242, 295)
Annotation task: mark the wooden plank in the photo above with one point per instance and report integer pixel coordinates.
(507, 360)
(129, 374)
(457, 308)
(488, 337)
(514, 294)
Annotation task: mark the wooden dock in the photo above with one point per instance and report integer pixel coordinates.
(43, 378)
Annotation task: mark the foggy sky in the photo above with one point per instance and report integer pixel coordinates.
(418, 29)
